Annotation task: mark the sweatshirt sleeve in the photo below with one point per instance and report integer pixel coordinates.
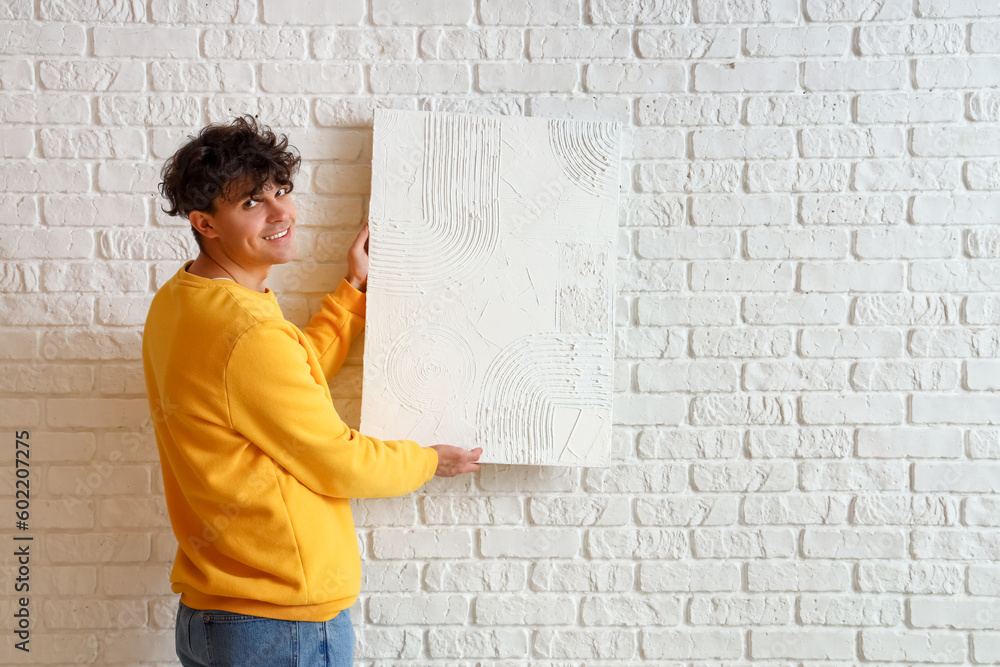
(333, 328)
(276, 400)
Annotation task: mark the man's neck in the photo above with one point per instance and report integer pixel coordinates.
(207, 266)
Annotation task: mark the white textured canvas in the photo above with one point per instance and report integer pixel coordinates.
(490, 292)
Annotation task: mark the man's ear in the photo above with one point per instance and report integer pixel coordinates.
(203, 222)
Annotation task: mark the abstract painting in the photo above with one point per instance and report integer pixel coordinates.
(490, 291)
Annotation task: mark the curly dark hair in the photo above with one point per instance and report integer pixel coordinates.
(223, 156)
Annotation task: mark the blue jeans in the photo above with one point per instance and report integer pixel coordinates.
(213, 638)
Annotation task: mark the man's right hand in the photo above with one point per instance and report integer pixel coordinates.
(455, 460)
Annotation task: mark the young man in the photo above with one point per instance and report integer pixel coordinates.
(258, 468)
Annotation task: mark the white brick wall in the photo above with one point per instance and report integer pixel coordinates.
(808, 425)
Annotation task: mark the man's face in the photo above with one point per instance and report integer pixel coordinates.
(254, 231)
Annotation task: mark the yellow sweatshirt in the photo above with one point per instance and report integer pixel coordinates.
(257, 465)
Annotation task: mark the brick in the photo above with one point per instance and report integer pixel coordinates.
(692, 644)
(640, 543)
(965, 72)
(984, 37)
(853, 543)
(982, 309)
(627, 12)
(908, 108)
(749, 276)
(885, 509)
(262, 43)
(800, 443)
(635, 609)
(750, 476)
(686, 43)
(650, 342)
(857, 409)
(310, 77)
(44, 108)
(145, 42)
(391, 543)
(855, 75)
(477, 511)
(986, 647)
(853, 476)
(585, 577)
(794, 376)
(654, 142)
(907, 243)
(975, 275)
(956, 8)
(120, 176)
(20, 39)
(18, 413)
(46, 309)
(476, 643)
(796, 244)
(16, 75)
(870, 143)
(422, 78)
(17, 9)
(910, 442)
(688, 110)
(48, 244)
(809, 41)
(912, 39)
(97, 412)
(685, 444)
(517, 610)
(898, 309)
(690, 376)
(798, 109)
(947, 141)
(437, 609)
(814, 176)
(667, 310)
(740, 343)
(16, 142)
(88, 277)
(216, 78)
(892, 645)
(18, 277)
(291, 12)
(151, 110)
(280, 111)
(477, 44)
(850, 610)
(475, 576)
(982, 375)
(858, 10)
(983, 579)
(160, 244)
(634, 78)
(956, 209)
(92, 76)
(420, 12)
(905, 376)
(528, 12)
(114, 143)
(753, 143)
(395, 643)
(914, 175)
(746, 610)
(630, 409)
(961, 477)
(954, 613)
(745, 77)
(527, 77)
(693, 177)
(798, 576)
(795, 309)
(223, 11)
(589, 644)
(18, 344)
(529, 543)
(731, 410)
(743, 543)
(955, 544)
(852, 210)
(627, 478)
(685, 577)
(368, 45)
(570, 511)
(687, 512)
(100, 11)
(734, 11)
(982, 175)
(919, 578)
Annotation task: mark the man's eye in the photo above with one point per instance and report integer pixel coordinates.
(280, 192)
(250, 203)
